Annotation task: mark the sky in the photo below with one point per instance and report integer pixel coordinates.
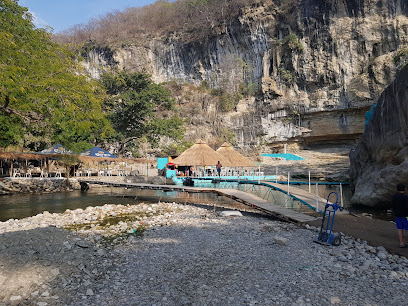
(63, 14)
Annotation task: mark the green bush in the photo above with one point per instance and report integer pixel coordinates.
(401, 58)
(286, 76)
(228, 102)
(250, 89)
(292, 43)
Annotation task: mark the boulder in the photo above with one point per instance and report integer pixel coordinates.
(380, 159)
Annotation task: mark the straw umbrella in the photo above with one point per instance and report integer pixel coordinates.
(235, 158)
(200, 155)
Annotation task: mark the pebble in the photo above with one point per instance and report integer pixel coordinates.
(280, 240)
(185, 255)
(15, 298)
(89, 292)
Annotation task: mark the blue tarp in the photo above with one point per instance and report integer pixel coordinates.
(98, 152)
(56, 149)
(161, 162)
(287, 156)
(369, 115)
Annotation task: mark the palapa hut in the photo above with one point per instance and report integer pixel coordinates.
(21, 163)
(105, 165)
(235, 158)
(200, 156)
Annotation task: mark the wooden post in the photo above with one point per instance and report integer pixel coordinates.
(317, 197)
(310, 187)
(11, 168)
(341, 195)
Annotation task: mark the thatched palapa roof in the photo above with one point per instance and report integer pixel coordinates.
(200, 154)
(86, 159)
(41, 156)
(235, 158)
(23, 156)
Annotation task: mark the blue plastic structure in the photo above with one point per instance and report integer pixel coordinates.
(326, 235)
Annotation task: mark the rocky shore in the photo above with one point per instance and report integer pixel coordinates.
(169, 254)
(37, 185)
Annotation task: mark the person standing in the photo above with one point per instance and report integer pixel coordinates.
(218, 166)
(400, 208)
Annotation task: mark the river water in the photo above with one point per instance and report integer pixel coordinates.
(25, 205)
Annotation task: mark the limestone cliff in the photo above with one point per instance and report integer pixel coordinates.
(380, 160)
(318, 66)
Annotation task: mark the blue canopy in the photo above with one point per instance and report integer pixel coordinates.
(56, 149)
(98, 152)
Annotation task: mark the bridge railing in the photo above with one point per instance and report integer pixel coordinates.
(277, 196)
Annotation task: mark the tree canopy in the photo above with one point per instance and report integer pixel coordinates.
(45, 95)
(139, 107)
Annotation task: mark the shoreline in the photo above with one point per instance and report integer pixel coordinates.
(171, 254)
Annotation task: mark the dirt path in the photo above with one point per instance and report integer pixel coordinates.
(376, 232)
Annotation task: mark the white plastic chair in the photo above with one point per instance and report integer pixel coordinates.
(28, 173)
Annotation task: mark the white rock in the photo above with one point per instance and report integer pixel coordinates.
(45, 294)
(231, 213)
(42, 303)
(334, 300)
(15, 298)
(280, 240)
(89, 292)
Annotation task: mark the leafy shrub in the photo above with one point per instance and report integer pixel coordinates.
(286, 76)
(401, 58)
(293, 43)
(228, 102)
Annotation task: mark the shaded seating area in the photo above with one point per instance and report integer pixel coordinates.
(107, 166)
(200, 160)
(51, 163)
(22, 164)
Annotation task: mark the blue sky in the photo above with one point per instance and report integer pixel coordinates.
(62, 14)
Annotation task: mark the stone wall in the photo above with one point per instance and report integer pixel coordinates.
(37, 185)
(380, 160)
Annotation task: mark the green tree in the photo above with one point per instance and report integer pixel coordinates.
(139, 107)
(44, 92)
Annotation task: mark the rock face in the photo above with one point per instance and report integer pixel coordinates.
(380, 160)
(318, 65)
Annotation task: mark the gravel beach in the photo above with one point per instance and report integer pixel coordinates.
(169, 254)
